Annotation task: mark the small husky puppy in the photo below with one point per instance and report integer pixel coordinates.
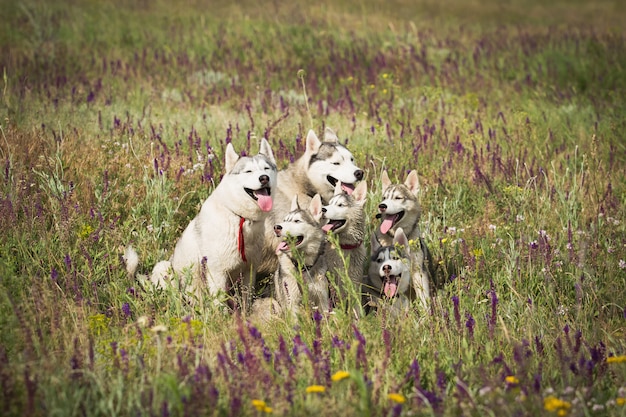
(224, 241)
(301, 258)
(389, 273)
(345, 218)
(400, 208)
(322, 166)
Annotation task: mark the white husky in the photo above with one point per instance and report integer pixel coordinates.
(389, 273)
(224, 242)
(322, 166)
(400, 209)
(345, 217)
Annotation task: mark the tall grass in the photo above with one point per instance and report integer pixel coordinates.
(114, 120)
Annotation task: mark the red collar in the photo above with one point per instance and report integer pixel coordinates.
(240, 243)
(350, 246)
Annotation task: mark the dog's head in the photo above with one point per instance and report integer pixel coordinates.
(330, 163)
(255, 176)
(390, 269)
(343, 207)
(300, 229)
(400, 207)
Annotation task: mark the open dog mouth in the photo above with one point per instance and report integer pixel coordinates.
(284, 245)
(390, 285)
(263, 196)
(389, 220)
(347, 188)
(333, 225)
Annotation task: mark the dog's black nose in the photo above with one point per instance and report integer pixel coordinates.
(277, 229)
(358, 174)
(323, 209)
(382, 207)
(264, 179)
(386, 269)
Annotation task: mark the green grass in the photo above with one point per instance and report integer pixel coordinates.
(114, 119)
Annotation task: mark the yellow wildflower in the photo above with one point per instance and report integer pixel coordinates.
(512, 380)
(444, 240)
(85, 231)
(397, 398)
(620, 401)
(478, 252)
(339, 375)
(556, 405)
(616, 359)
(261, 405)
(385, 75)
(315, 389)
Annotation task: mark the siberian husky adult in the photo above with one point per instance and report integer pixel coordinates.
(400, 209)
(345, 218)
(389, 273)
(322, 166)
(301, 254)
(224, 241)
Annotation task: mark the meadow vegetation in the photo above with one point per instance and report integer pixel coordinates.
(114, 118)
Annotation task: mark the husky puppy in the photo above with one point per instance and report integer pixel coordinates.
(322, 166)
(301, 254)
(345, 218)
(224, 241)
(400, 208)
(389, 273)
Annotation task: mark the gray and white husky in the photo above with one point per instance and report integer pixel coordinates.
(301, 258)
(322, 166)
(225, 240)
(400, 209)
(389, 273)
(345, 218)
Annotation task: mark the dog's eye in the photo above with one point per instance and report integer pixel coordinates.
(336, 163)
(248, 171)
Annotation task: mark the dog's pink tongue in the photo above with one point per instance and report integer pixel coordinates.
(387, 223)
(264, 199)
(282, 246)
(327, 227)
(390, 288)
(347, 188)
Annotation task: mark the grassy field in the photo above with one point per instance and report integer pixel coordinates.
(114, 120)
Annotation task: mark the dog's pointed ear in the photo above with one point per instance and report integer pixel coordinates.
(231, 157)
(312, 142)
(338, 189)
(360, 192)
(413, 182)
(399, 238)
(374, 244)
(294, 203)
(315, 207)
(266, 149)
(384, 180)
(330, 135)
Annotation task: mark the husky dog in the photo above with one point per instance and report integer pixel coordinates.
(225, 239)
(322, 166)
(400, 209)
(301, 253)
(389, 273)
(345, 218)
